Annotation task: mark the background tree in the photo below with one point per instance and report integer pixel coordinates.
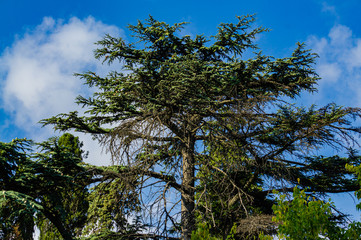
(74, 196)
(112, 205)
(16, 221)
(219, 204)
(64, 197)
(304, 217)
(42, 188)
(174, 94)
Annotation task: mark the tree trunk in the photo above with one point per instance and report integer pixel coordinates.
(59, 225)
(188, 221)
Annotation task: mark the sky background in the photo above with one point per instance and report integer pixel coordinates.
(43, 43)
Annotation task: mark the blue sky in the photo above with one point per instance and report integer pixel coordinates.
(43, 43)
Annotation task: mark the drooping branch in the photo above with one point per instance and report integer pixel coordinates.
(104, 173)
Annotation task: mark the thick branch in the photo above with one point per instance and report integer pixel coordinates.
(123, 173)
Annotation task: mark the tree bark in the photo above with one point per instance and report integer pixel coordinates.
(188, 221)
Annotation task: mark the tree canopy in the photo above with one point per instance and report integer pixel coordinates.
(39, 184)
(200, 133)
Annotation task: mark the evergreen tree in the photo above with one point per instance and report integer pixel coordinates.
(64, 197)
(179, 107)
(16, 222)
(41, 187)
(73, 197)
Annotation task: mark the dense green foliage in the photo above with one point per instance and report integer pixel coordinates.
(56, 191)
(305, 218)
(38, 184)
(74, 197)
(199, 135)
(302, 218)
(202, 232)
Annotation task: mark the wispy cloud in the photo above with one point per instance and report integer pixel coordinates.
(37, 70)
(326, 7)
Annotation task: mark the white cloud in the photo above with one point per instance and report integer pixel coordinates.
(340, 37)
(339, 66)
(355, 55)
(37, 71)
(330, 72)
